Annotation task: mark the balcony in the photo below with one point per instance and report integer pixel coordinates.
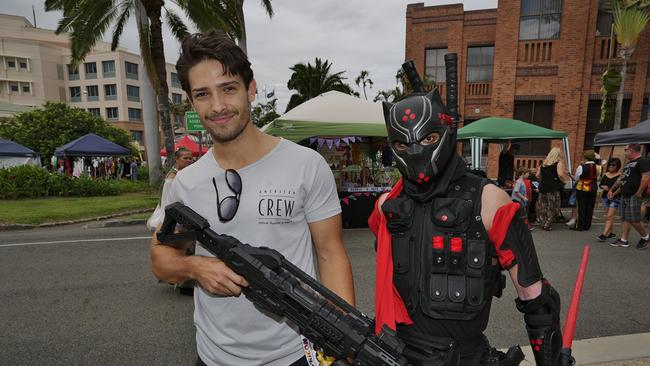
(536, 52)
(601, 49)
(110, 97)
(478, 90)
(93, 98)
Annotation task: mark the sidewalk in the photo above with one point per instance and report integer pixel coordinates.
(624, 350)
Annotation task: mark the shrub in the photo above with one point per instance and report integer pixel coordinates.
(31, 182)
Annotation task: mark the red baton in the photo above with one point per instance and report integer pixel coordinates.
(572, 314)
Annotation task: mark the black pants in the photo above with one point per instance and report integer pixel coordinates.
(301, 362)
(586, 202)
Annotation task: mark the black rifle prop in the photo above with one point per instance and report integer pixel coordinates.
(279, 287)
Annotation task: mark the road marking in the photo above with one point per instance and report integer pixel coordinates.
(73, 241)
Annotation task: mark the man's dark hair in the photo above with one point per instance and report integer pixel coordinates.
(634, 146)
(213, 45)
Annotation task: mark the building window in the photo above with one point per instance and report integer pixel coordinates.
(23, 64)
(133, 93)
(131, 70)
(111, 113)
(539, 113)
(605, 19)
(593, 121)
(175, 82)
(91, 70)
(108, 68)
(480, 62)
(110, 92)
(135, 114)
(93, 93)
(94, 112)
(540, 19)
(11, 63)
(73, 74)
(26, 88)
(434, 61)
(14, 87)
(136, 136)
(177, 98)
(75, 94)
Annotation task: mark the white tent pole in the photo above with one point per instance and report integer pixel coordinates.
(480, 152)
(472, 145)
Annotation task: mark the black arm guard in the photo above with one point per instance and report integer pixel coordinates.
(520, 242)
(279, 287)
(542, 317)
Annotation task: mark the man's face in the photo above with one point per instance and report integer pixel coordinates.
(221, 101)
(629, 153)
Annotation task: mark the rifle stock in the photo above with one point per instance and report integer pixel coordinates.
(279, 287)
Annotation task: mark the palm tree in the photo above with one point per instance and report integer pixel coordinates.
(241, 38)
(87, 21)
(310, 81)
(363, 80)
(630, 18)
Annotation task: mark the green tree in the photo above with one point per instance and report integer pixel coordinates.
(310, 81)
(179, 109)
(364, 80)
(630, 19)
(56, 124)
(241, 34)
(87, 21)
(263, 113)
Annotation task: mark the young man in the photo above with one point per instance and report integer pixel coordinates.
(443, 237)
(632, 183)
(259, 189)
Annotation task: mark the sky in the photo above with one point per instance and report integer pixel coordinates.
(353, 35)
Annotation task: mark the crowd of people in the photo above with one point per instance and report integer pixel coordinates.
(618, 188)
(96, 167)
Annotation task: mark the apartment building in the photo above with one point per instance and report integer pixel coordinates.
(538, 61)
(35, 68)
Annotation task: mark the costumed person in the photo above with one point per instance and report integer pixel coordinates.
(444, 236)
(586, 175)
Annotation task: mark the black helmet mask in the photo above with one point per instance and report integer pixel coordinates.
(410, 121)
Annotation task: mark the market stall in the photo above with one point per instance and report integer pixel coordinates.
(350, 134)
(14, 154)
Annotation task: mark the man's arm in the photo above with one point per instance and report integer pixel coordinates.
(333, 263)
(172, 265)
(492, 199)
(644, 184)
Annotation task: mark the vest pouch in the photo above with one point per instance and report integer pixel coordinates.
(475, 258)
(475, 291)
(402, 247)
(456, 292)
(439, 254)
(451, 215)
(438, 287)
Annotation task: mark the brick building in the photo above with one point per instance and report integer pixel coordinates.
(537, 61)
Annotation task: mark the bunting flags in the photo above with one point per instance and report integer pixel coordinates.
(337, 142)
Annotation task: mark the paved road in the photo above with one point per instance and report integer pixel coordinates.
(73, 296)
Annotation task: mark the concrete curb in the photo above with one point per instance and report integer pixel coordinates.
(8, 227)
(629, 349)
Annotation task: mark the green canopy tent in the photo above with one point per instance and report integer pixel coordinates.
(498, 129)
(330, 114)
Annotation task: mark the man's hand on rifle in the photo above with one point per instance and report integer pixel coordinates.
(216, 278)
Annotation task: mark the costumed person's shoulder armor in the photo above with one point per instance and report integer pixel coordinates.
(442, 257)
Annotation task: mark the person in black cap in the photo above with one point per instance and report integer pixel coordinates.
(507, 165)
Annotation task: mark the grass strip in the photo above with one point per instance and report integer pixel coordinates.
(54, 209)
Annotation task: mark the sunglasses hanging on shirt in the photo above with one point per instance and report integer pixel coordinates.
(227, 207)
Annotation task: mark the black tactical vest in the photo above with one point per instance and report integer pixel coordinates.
(442, 257)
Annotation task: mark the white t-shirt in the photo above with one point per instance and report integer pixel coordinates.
(281, 193)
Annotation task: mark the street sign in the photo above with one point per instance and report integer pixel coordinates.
(192, 122)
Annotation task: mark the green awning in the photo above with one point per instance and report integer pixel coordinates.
(498, 128)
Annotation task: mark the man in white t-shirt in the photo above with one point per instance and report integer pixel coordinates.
(260, 189)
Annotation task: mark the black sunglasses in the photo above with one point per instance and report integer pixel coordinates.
(227, 207)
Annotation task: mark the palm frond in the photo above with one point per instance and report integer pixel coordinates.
(178, 28)
(628, 25)
(266, 4)
(122, 18)
(212, 15)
